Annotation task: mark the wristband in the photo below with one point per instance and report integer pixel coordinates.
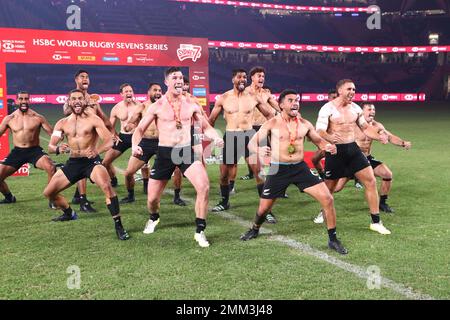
(57, 150)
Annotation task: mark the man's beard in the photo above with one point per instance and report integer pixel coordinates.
(24, 107)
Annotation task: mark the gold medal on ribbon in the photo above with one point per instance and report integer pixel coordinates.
(291, 149)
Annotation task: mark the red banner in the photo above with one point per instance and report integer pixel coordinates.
(306, 97)
(376, 97)
(327, 48)
(68, 47)
(260, 5)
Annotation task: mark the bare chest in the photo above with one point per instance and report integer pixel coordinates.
(78, 128)
(343, 116)
(239, 105)
(124, 113)
(24, 124)
(289, 132)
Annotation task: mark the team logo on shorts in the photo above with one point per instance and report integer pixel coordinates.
(189, 51)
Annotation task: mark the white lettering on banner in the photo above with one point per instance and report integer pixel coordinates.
(385, 97)
(409, 97)
(364, 97)
(37, 99)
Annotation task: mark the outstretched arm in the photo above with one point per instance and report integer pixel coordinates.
(4, 124)
(266, 110)
(373, 132)
(395, 140)
(104, 134)
(273, 103)
(46, 126)
(321, 143)
(139, 132)
(134, 120)
(259, 139)
(207, 129)
(56, 137)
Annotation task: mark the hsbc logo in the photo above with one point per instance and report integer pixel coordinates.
(241, 45)
(61, 99)
(385, 97)
(364, 97)
(8, 46)
(259, 45)
(57, 57)
(197, 78)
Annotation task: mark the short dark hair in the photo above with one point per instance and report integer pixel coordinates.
(123, 86)
(256, 70)
(284, 93)
(238, 70)
(153, 84)
(367, 104)
(186, 80)
(75, 90)
(171, 70)
(341, 82)
(80, 72)
(21, 92)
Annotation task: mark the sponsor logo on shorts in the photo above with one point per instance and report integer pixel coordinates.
(266, 192)
(327, 174)
(189, 51)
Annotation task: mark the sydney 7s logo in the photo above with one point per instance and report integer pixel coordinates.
(189, 51)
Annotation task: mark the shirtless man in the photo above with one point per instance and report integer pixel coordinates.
(123, 111)
(82, 82)
(287, 132)
(83, 130)
(25, 126)
(379, 168)
(335, 124)
(258, 121)
(173, 115)
(238, 105)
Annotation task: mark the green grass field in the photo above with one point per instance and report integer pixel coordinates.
(36, 253)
